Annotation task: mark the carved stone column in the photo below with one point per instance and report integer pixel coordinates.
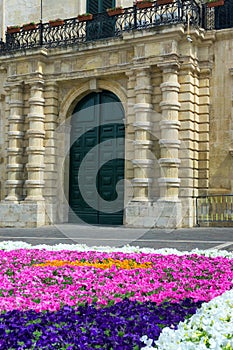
(169, 181)
(35, 149)
(169, 205)
(51, 171)
(15, 146)
(143, 161)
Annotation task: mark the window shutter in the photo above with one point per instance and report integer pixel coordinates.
(92, 6)
(108, 4)
(95, 6)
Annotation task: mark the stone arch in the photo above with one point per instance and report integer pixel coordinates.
(68, 103)
(75, 94)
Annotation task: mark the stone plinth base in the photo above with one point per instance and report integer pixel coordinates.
(188, 212)
(22, 214)
(160, 214)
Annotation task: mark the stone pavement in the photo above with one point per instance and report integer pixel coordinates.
(181, 239)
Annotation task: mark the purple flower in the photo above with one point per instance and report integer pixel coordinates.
(118, 327)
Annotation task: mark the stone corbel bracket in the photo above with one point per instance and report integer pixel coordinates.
(231, 152)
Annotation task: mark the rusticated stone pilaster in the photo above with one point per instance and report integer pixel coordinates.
(142, 161)
(129, 135)
(35, 149)
(169, 142)
(15, 146)
(51, 171)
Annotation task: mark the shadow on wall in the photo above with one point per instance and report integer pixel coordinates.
(223, 176)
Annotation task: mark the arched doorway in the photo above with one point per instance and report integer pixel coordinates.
(97, 160)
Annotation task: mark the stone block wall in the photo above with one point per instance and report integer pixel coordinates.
(178, 103)
(221, 112)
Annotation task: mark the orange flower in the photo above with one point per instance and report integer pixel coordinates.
(105, 264)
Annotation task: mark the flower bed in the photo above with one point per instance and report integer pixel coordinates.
(87, 327)
(75, 297)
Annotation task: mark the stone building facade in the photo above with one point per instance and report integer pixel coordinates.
(171, 87)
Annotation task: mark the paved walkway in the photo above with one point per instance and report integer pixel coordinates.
(181, 239)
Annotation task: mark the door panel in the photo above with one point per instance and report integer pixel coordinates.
(78, 151)
(97, 160)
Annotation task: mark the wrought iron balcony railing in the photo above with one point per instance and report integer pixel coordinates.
(74, 32)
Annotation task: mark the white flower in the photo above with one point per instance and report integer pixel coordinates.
(11, 245)
(210, 328)
(147, 341)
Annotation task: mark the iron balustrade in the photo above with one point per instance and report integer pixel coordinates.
(74, 32)
(214, 209)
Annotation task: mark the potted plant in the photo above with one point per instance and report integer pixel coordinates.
(115, 11)
(29, 26)
(13, 29)
(56, 22)
(85, 17)
(142, 4)
(215, 3)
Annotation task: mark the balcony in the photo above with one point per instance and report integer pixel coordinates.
(74, 32)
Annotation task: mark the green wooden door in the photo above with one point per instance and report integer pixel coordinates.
(97, 160)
